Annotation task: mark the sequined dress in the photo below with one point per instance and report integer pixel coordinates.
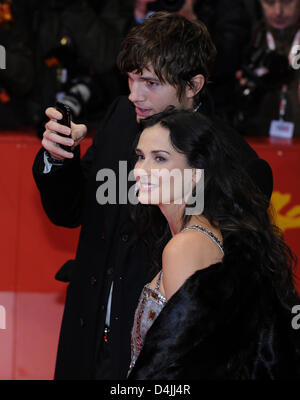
(150, 304)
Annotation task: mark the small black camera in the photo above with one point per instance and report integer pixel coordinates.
(277, 72)
(266, 71)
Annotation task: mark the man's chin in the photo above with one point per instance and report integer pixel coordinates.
(139, 118)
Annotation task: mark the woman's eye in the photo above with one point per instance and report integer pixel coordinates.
(139, 157)
(160, 159)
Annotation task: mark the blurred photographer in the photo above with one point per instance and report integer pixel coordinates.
(76, 45)
(268, 91)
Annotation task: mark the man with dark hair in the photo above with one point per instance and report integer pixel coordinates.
(172, 53)
(167, 60)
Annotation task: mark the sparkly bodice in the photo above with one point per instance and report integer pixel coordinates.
(208, 233)
(150, 304)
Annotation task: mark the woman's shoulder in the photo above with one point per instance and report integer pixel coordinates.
(186, 253)
(193, 247)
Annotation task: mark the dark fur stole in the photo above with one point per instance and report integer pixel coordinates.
(225, 322)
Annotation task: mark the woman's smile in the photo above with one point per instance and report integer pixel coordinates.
(146, 186)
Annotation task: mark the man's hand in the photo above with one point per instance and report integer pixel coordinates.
(52, 140)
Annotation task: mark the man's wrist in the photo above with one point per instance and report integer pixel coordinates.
(52, 160)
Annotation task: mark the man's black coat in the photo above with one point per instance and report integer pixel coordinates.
(108, 249)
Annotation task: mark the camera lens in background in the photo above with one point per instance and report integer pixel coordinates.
(77, 96)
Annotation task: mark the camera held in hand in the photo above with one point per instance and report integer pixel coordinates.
(267, 70)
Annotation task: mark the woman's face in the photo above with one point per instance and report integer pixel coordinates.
(162, 173)
(281, 14)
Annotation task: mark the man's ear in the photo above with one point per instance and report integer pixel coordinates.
(197, 83)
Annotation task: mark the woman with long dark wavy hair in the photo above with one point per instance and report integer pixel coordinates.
(219, 305)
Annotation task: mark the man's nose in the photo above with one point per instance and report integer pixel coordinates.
(136, 92)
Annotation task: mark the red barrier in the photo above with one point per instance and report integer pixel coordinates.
(284, 158)
(32, 249)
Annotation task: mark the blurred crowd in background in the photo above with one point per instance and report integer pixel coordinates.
(66, 50)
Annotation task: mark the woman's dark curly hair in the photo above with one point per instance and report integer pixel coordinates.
(232, 202)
